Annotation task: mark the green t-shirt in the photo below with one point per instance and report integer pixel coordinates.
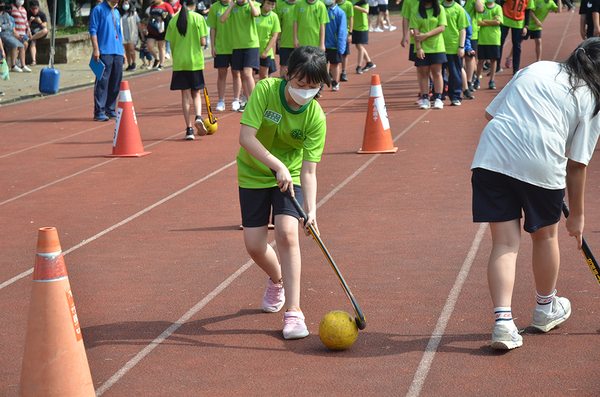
(348, 9)
(512, 23)
(187, 50)
(435, 43)
(243, 27)
(290, 135)
(285, 11)
(541, 10)
(470, 8)
(408, 8)
(361, 19)
(222, 30)
(456, 20)
(490, 35)
(310, 17)
(267, 25)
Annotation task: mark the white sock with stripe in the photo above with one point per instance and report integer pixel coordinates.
(503, 316)
(544, 303)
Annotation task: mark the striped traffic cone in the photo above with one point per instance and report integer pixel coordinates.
(127, 141)
(54, 362)
(377, 137)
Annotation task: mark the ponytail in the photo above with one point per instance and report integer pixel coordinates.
(182, 21)
(583, 68)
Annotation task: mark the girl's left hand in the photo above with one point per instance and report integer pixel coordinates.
(312, 220)
(420, 54)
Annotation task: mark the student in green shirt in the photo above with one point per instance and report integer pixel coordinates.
(540, 12)
(360, 35)
(310, 18)
(488, 47)
(454, 41)
(268, 31)
(187, 34)
(348, 8)
(221, 48)
(428, 24)
(285, 11)
(245, 56)
(283, 129)
(474, 8)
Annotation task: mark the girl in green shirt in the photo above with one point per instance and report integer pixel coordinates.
(283, 129)
(187, 34)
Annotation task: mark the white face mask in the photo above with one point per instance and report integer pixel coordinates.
(19, 3)
(125, 7)
(302, 97)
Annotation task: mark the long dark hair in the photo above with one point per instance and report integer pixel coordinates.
(423, 9)
(130, 12)
(309, 64)
(182, 21)
(583, 68)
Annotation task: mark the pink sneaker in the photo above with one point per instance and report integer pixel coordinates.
(274, 297)
(419, 101)
(293, 325)
(508, 62)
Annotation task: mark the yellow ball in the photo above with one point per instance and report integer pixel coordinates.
(338, 330)
(211, 128)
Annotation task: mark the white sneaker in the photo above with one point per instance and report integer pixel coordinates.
(220, 106)
(377, 30)
(505, 339)
(26, 69)
(561, 310)
(425, 104)
(235, 105)
(392, 28)
(16, 69)
(370, 29)
(438, 104)
(168, 56)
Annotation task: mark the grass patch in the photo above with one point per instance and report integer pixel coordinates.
(65, 31)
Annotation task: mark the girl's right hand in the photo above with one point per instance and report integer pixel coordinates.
(284, 180)
(420, 54)
(574, 225)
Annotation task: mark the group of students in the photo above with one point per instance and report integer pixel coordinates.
(462, 39)
(20, 28)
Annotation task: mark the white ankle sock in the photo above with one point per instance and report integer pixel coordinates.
(503, 315)
(544, 303)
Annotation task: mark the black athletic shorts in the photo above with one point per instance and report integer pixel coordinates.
(256, 205)
(333, 56)
(187, 79)
(501, 198)
(222, 61)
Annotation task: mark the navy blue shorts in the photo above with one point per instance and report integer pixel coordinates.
(431, 59)
(222, 61)
(412, 55)
(347, 52)
(488, 51)
(270, 62)
(501, 198)
(256, 205)
(533, 34)
(333, 56)
(382, 7)
(245, 58)
(187, 80)
(284, 55)
(360, 37)
(373, 10)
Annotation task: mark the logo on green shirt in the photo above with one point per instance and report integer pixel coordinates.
(297, 134)
(273, 116)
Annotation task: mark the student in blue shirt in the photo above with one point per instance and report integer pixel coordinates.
(107, 43)
(336, 35)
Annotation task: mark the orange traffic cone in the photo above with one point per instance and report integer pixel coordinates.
(377, 137)
(54, 362)
(127, 141)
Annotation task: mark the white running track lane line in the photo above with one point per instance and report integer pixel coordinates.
(440, 327)
(563, 37)
(125, 221)
(87, 169)
(436, 337)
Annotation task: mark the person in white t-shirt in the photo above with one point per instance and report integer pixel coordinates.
(542, 133)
